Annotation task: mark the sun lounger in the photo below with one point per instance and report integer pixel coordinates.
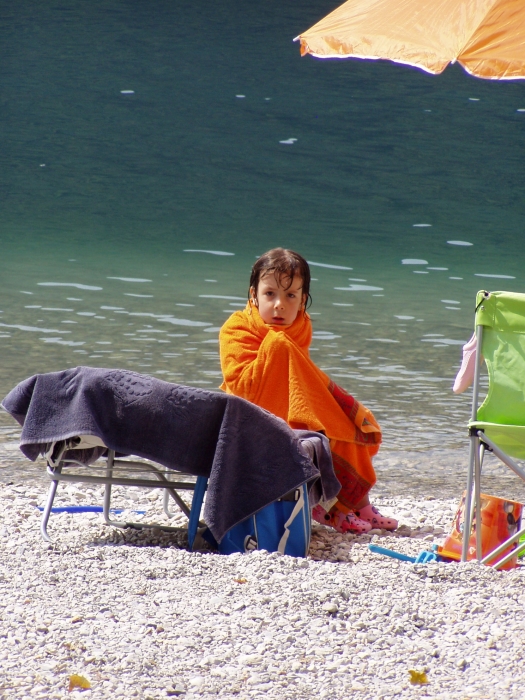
(183, 437)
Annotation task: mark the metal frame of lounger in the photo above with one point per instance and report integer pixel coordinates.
(479, 444)
(112, 470)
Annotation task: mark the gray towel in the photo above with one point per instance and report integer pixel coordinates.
(251, 457)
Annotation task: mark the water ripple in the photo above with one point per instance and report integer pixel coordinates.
(218, 296)
(360, 288)
(32, 328)
(330, 267)
(210, 252)
(70, 284)
(129, 279)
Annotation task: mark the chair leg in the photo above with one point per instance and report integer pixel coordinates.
(107, 495)
(477, 498)
(467, 519)
(107, 492)
(196, 507)
(481, 454)
(47, 511)
(165, 503)
(502, 547)
(107, 506)
(178, 500)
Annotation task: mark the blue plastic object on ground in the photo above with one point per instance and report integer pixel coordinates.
(424, 557)
(87, 509)
(282, 526)
(390, 553)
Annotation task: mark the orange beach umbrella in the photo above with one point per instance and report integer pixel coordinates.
(487, 37)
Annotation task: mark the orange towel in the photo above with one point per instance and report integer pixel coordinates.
(270, 366)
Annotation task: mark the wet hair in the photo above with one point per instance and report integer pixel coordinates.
(283, 263)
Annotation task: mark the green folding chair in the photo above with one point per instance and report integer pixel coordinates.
(498, 424)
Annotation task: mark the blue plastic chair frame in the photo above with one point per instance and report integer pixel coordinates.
(196, 506)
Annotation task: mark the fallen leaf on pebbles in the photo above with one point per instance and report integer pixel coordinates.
(418, 677)
(76, 681)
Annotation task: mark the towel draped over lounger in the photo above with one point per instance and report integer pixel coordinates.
(251, 457)
(271, 366)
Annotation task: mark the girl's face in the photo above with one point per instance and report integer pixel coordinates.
(278, 301)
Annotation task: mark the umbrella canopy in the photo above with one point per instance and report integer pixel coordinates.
(486, 36)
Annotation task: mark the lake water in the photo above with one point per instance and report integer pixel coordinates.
(151, 151)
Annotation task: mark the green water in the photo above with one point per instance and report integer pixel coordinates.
(99, 184)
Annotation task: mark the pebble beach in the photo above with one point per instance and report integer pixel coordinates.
(133, 614)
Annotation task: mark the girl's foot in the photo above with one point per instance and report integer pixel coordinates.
(341, 522)
(371, 515)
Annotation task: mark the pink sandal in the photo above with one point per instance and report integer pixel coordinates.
(371, 515)
(341, 522)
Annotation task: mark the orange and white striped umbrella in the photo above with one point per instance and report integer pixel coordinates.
(487, 37)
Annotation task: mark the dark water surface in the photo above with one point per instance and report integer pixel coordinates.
(135, 132)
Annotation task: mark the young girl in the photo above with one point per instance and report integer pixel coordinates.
(265, 359)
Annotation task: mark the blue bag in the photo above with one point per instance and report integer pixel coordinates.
(282, 526)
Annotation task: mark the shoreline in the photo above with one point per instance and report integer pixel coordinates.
(400, 473)
(140, 617)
